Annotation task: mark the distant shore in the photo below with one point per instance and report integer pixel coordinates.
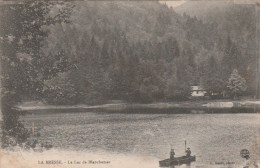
(116, 106)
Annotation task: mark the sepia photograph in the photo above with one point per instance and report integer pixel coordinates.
(129, 84)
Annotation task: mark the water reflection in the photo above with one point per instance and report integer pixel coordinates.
(145, 110)
(181, 110)
(187, 165)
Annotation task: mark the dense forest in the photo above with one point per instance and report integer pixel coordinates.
(144, 52)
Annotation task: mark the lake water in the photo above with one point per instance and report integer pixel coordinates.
(215, 139)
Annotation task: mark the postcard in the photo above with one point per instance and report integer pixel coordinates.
(130, 84)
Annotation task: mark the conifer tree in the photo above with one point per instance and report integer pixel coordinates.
(236, 84)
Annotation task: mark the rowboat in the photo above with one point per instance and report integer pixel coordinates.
(177, 161)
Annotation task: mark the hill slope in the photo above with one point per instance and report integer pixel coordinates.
(145, 51)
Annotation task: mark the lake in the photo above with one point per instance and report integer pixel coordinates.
(215, 139)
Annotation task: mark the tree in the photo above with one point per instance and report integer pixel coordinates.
(232, 58)
(148, 90)
(214, 85)
(24, 66)
(60, 90)
(212, 80)
(177, 90)
(236, 84)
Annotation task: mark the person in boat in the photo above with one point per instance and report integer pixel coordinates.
(172, 153)
(188, 152)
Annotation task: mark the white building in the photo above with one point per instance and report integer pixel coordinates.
(197, 91)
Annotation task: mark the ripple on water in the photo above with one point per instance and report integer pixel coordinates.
(212, 137)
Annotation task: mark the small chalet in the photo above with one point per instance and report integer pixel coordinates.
(197, 91)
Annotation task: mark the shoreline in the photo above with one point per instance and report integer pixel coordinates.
(182, 107)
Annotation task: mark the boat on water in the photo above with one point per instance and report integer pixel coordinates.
(173, 161)
(177, 161)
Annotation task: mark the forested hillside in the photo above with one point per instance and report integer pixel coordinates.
(145, 51)
(235, 20)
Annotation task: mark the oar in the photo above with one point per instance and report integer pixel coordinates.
(185, 146)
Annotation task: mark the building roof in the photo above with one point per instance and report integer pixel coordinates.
(197, 88)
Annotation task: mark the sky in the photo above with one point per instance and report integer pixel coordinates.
(174, 4)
